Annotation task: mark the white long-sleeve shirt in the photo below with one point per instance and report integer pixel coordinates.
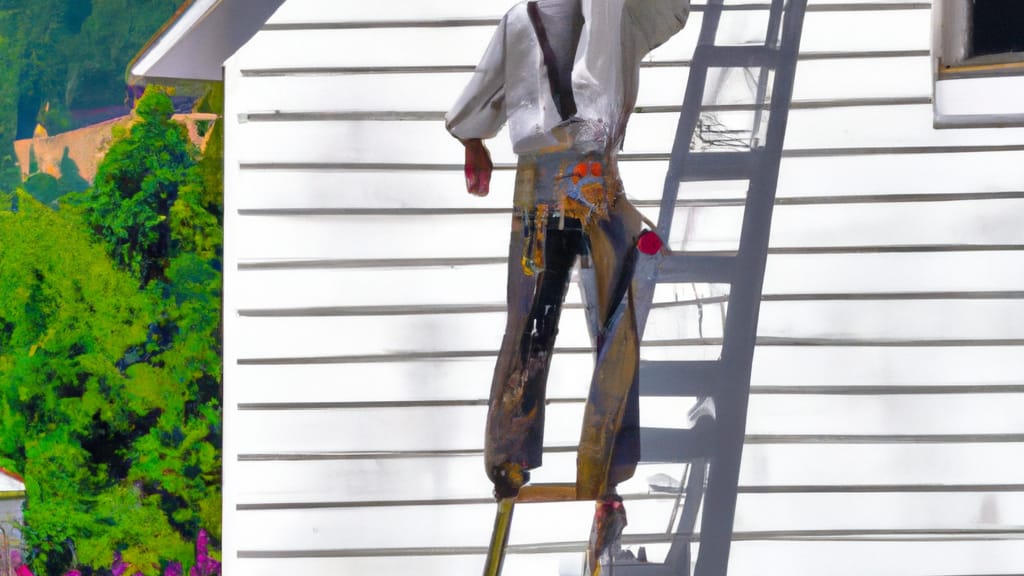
(511, 84)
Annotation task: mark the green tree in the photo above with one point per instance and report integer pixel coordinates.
(137, 184)
(43, 187)
(212, 163)
(69, 53)
(189, 294)
(110, 363)
(40, 36)
(72, 410)
(113, 32)
(10, 69)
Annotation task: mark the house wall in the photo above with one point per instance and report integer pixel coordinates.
(88, 145)
(364, 303)
(10, 520)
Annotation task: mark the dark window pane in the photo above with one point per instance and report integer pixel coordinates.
(998, 26)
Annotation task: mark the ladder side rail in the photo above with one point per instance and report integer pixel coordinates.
(775, 15)
(733, 394)
(771, 41)
(679, 554)
(688, 118)
(647, 268)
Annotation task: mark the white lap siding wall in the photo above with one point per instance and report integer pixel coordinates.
(364, 306)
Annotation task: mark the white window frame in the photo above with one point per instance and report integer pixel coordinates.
(972, 91)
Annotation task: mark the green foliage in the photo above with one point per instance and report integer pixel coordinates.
(136, 186)
(62, 55)
(110, 356)
(68, 316)
(109, 37)
(211, 167)
(10, 174)
(55, 118)
(10, 69)
(43, 187)
(47, 189)
(72, 53)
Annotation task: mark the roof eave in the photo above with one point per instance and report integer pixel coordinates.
(196, 41)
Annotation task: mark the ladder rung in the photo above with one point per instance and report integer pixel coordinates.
(704, 166)
(677, 445)
(678, 377)
(645, 569)
(738, 56)
(696, 268)
(547, 493)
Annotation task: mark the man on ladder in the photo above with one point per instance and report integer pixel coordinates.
(564, 75)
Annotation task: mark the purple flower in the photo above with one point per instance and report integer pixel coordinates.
(208, 567)
(17, 562)
(205, 566)
(73, 573)
(202, 546)
(174, 569)
(118, 568)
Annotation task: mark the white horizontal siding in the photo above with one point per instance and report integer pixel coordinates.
(271, 290)
(386, 93)
(411, 142)
(416, 429)
(392, 481)
(468, 379)
(747, 557)
(320, 528)
(311, 337)
(951, 173)
(485, 235)
(332, 11)
(396, 566)
(348, 231)
(881, 558)
(463, 45)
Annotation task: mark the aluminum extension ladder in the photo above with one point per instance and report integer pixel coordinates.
(712, 446)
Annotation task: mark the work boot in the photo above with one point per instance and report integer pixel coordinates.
(606, 534)
(508, 478)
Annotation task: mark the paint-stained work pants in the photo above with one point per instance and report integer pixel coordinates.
(565, 207)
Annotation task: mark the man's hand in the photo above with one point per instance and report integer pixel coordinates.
(478, 167)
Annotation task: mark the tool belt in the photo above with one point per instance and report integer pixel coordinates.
(557, 191)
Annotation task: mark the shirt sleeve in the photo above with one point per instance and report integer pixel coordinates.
(479, 111)
(657, 20)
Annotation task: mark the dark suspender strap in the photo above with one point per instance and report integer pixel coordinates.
(561, 84)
